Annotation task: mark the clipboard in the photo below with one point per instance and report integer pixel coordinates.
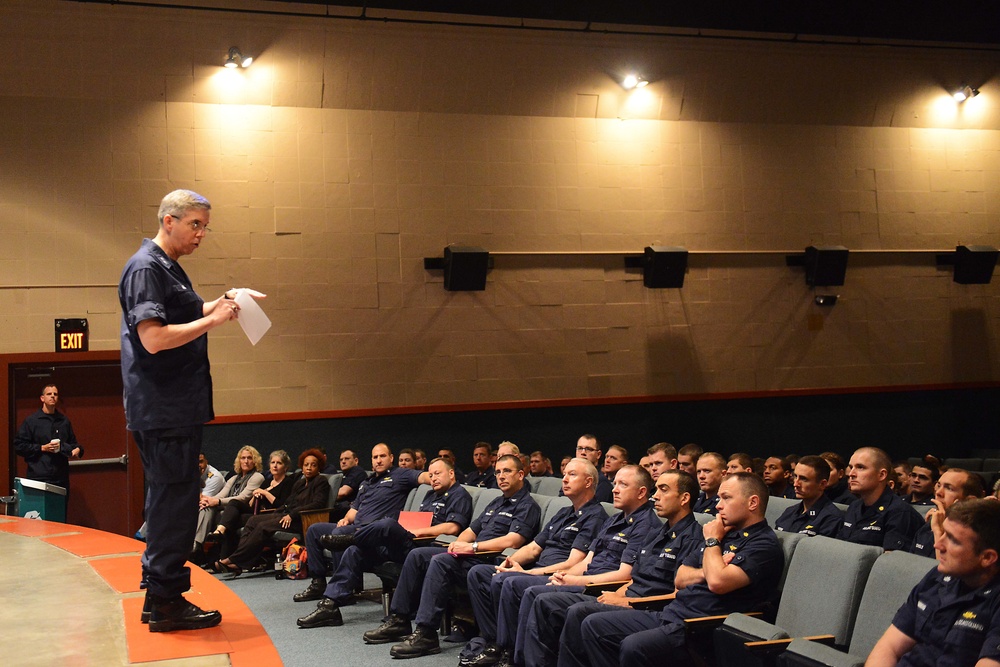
(413, 520)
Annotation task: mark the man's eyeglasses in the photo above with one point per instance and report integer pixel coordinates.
(199, 226)
(586, 449)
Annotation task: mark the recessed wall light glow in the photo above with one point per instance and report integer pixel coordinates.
(964, 93)
(236, 58)
(633, 81)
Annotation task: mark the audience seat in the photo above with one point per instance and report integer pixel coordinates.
(972, 464)
(821, 595)
(775, 506)
(891, 579)
(549, 486)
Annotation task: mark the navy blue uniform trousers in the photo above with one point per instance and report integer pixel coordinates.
(173, 482)
(378, 542)
(626, 637)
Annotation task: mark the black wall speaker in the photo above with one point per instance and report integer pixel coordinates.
(664, 266)
(465, 268)
(974, 264)
(826, 265)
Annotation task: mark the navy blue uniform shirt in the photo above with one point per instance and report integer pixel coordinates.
(518, 514)
(823, 518)
(706, 504)
(354, 477)
(923, 542)
(172, 388)
(656, 565)
(569, 529)
(484, 480)
(451, 506)
(383, 496)
(953, 626)
(756, 550)
(620, 539)
(889, 522)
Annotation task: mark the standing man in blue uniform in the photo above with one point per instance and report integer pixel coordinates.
(428, 573)
(652, 574)
(168, 398)
(560, 545)
(878, 517)
(952, 617)
(816, 514)
(386, 540)
(47, 442)
(381, 497)
(737, 570)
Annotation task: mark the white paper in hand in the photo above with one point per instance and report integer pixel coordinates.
(252, 318)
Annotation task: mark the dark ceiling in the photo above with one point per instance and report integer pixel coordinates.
(956, 21)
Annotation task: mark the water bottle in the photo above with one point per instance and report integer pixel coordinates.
(279, 570)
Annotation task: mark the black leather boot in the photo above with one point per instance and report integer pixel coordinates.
(424, 641)
(393, 629)
(169, 614)
(326, 613)
(314, 592)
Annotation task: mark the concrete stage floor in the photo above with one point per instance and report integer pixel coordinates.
(71, 597)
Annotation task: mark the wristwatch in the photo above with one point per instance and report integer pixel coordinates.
(475, 547)
(712, 542)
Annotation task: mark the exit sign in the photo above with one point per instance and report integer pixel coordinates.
(72, 335)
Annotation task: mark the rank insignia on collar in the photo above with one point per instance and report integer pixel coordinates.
(746, 534)
(881, 508)
(673, 536)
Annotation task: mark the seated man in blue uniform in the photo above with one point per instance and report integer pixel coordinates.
(483, 474)
(779, 475)
(354, 476)
(816, 514)
(652, 574)
(710, 471)
(509, 521)
(562, 547)
(952, 617)
(923, 480)
(878, 517)
(381, 497)
(955, 485)
(386, 540)
(737, 569)
(588, 447)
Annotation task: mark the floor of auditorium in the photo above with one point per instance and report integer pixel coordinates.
(71, 597)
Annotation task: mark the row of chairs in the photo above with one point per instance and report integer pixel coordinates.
(972, 463)
(837, 600)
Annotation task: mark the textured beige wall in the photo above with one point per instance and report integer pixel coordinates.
(349, 151)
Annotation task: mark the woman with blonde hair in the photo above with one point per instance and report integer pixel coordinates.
(239, 487)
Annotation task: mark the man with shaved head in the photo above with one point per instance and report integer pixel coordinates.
(878, 517)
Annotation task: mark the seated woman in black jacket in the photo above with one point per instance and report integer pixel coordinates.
(310, 491)
(236, 513)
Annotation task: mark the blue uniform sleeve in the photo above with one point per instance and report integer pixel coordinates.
(906, 616)
(459, 509)
(758, 558)
(900, 528)
(144, 296)
(361, 492)
(829, 521)
(527, 514)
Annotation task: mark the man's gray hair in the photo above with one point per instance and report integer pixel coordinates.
(179, 202)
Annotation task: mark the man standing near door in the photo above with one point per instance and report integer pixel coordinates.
(168, 398)
(47, 442)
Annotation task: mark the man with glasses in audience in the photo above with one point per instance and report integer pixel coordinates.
(587, 447)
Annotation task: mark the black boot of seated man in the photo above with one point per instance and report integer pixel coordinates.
(313, 592)
(327, 613)
(424, 641)
(169, 614)
(393, 629)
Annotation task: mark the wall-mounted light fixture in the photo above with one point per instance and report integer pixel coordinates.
(237, 58)
(964, 93)
(632, 81)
